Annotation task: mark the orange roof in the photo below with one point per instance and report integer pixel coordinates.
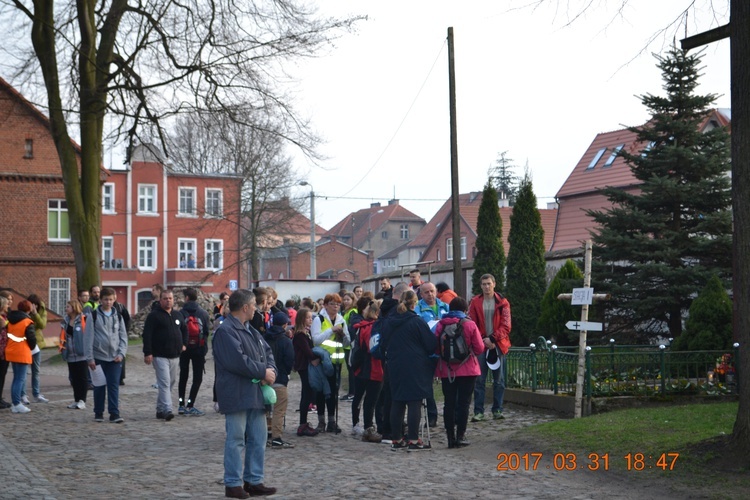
(369, 220)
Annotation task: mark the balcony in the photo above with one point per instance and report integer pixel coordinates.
(115, 273)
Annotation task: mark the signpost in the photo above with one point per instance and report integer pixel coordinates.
(584, 325)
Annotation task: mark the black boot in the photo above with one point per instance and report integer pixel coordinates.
(451, 438)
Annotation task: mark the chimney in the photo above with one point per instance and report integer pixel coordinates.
(503, 202)
(392, 202)
(375, 205)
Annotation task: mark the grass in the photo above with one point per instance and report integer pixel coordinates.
(697, 432)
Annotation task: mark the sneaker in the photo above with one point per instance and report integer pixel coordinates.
(40, 399)
(116, 419)
(418, 446)
(399, 445)
(462, 442)
(347, 397)
(25, 400)
(387, 438)
(498, 415)
(278, 443)
(371, 436)
(154, 386)
(478, 417)
(216, 406)
(358, 430)
(333, 427)
(181, 410)
(19, 408)
(306, 430)
(193, 411)
(73, 406)
(81, 405)
(98, 417)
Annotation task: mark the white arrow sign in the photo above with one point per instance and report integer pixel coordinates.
(590, 326)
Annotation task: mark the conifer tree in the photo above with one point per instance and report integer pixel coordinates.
(555, 313)
(709, 326)
(526, 273)
(490, 257)
(655, 248)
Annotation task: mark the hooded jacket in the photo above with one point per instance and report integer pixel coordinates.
(470, 367)
(410, 357)
(283, 353)
(72, 343)
(21, 338)
(105, 336)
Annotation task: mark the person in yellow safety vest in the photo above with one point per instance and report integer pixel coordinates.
(329, 331)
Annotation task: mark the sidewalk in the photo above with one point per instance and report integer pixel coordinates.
(54, 452)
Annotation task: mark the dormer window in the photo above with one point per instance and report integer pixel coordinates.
(596, 159)
(29, 149)
(613, 156)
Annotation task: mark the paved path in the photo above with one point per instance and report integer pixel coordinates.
(54, 452)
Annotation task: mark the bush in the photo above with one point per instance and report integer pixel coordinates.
(709, 326)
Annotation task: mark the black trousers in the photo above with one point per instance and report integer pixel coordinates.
(79, 379)
(307, 396)
(457, 399)
(412, 421)
(196, 356)
(322, 403)
(370, 389)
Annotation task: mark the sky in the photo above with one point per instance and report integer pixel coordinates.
(537, 82)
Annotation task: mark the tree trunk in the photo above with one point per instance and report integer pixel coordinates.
(740, 45)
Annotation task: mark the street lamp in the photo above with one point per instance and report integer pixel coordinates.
(313, 273)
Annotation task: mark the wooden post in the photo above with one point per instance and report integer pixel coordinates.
(458, 279)
(582, 336)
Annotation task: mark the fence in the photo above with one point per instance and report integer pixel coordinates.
(613, 370)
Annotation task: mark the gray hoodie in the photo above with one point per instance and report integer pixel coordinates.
(105, 337)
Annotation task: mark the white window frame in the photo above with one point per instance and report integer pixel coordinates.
(210, 214)
(463, 247)
(449, 249)
(596, 158)
(60, 209)
(59, 294)
(404, 231)
(613, 156)
(108, 251)
(194, 201)
(145, 197)
(108, 198)
(143, 254)
(209, 253)
(184, 251)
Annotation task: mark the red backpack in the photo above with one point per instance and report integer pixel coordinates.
(195, 331)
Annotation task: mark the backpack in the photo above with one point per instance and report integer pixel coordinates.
(453, 347)
(195, 331)
(357, 354)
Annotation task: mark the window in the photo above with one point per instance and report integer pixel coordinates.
(213, 203)
(146, 199)
(147, 253)
(187, 201)
(214, 254)
(449, 248)
(384, 235)
(29, 149)
(596, 159)
(438, 255)
(107, 252)
(186, 252)
(613, 156)
(108, 198)
(404, 231)
(645, 151)
(58, 225)
(59, 294)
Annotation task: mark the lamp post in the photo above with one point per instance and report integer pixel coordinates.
(313, 273)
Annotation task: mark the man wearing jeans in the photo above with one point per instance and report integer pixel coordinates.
(164, 338)
(491, 312)
(243, 363)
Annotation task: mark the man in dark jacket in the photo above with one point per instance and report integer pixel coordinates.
(243, 362)
(283, 355)
(196, 320)
(164, 338)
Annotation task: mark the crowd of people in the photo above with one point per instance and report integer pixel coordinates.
(394, 343)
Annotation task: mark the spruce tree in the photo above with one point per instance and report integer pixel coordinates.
(526, 273)
(506, 183)
(490, 257)
(709, 326)
(555, 313)
(655, 248)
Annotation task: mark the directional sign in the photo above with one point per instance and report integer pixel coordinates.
(582, 296)
(589, 326)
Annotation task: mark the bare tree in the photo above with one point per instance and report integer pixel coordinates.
(145, 62)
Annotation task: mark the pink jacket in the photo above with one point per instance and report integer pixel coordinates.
(473, 338)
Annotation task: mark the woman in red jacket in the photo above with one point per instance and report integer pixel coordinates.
(368, 377)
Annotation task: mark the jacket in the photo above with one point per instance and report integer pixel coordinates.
(303, 351)
(164, 333)
(470, 367)
(500, 320)
(427, 314)
(240, 356)
(283, 353)
(410, 357)
(318, 375)
(191, 308)
(105, 337)
(323, 336)
(72, 344)
(21, 338)
(372, 369)
(447, 296)
(40, 323)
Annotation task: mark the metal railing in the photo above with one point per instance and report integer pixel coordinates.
(622, 370)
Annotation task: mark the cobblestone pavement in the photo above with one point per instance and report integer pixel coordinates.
(54, 452)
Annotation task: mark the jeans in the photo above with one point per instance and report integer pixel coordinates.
(36, 363)
(166, 376)
(19, 382)
(498, 385)
(111, 389)
(457, 399)
(246, 431)
(197, 356)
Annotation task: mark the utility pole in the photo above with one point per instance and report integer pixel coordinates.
(458, 281)
(582, 337)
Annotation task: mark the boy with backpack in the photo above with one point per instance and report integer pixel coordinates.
(196, 321)
(283, 354)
